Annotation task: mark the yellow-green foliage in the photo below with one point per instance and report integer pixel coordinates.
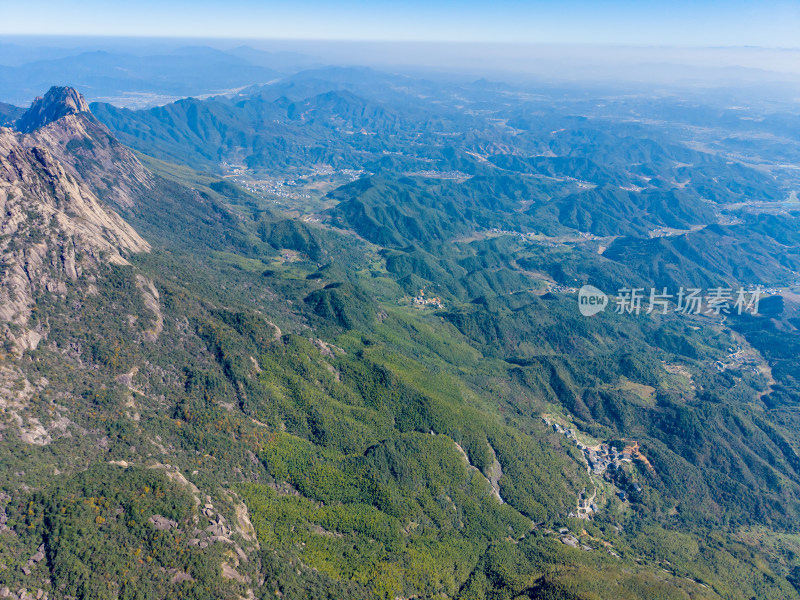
(409, 515)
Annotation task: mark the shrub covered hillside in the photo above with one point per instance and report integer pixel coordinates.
(383, 388)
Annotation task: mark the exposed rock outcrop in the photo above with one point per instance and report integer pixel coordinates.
(56, 103)
(90, 154)
(61, 122)
(53, 228)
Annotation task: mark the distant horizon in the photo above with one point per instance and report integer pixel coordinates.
(706, 23)
(8, 37)
(538, 58)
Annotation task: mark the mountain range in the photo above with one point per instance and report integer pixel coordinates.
(373, 380)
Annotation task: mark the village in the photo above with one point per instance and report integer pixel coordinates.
(744, 357)
(543, 240)
(601, 459)
(561, 289)
(293, 189)
(455, 174)
(434, 302)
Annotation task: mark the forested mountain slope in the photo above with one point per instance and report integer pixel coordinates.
(369, 400)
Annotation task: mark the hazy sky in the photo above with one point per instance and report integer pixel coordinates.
(770, 23)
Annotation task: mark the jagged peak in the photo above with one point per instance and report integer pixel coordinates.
(56, 103)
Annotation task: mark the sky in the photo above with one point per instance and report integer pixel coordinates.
(766, 23)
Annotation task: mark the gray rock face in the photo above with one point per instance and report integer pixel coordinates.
(57, 102)
(62, 174)
(53, 229)
(62, 123)
(162, 523)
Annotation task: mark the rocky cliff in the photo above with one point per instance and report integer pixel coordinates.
(84, 332)
(54, 228)
(58, 102)
(86, 149)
